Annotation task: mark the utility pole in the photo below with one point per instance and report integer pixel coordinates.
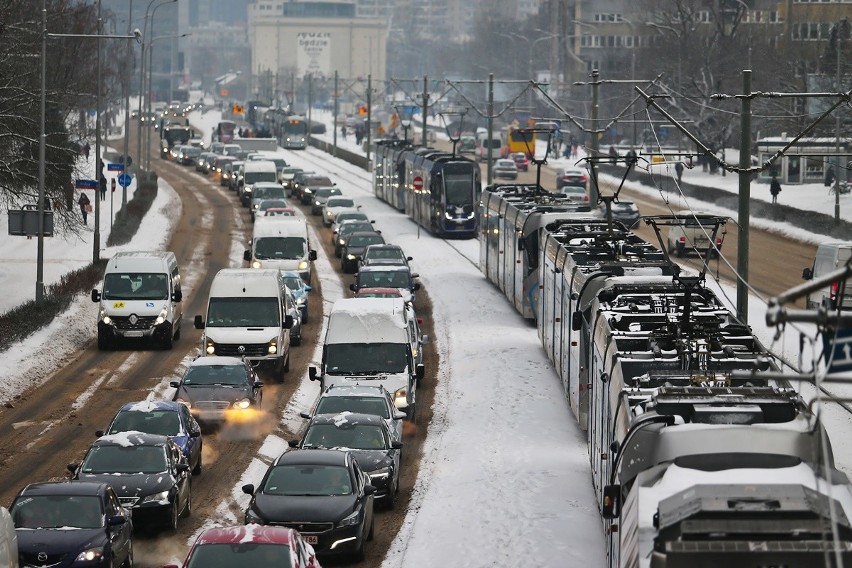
(424, 140)
(127, 112)
(489, 175)
(841, 29)
(96, 244)
(369, 116)
(334, 124)
(310, 104)
(744, 206)
(595, 147)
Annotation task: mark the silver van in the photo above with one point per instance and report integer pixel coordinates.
(140, 298)
(829, 257)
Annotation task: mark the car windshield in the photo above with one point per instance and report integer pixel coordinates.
(345, 435)
(164, 423)
(125, 459)
(58, 511)
(364, 240)
(384, 254)
(339, 202)
(136, 286)
(308, 480)
(202, 375)
(383, 279)
(366, 358)
(272, 203)
(354, 227)
(252, 178)
(243, 312)
(279, 248)
(358, 404)
(326, 192)
(341, 217)
(295, 283)
(228, 555)
(267, 192)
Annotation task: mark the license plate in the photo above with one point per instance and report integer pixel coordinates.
(132, 334)
(310, 539)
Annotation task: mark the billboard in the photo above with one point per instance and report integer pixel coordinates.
(313, 53)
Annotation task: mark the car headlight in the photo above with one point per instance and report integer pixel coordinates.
(307, 191)
(341, 241)
(301, 301)
(303, 265)
(157, 497)
(162, 317)
(242, 403)
(91, 555)
(447, 215)
(382, 473)
(352, 519)
(102, 315)
(317, 203)
(351, 257)
(256, 206)
(184, 402)
(256, 264)
(400, 396)
(273, 347)
(211, 348)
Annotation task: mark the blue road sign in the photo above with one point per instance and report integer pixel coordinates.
(115, 167)
(838, 350)
(124, 179)
(86, 184)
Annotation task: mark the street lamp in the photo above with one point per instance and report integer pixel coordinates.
(404, 121)
(454, 135)
(150, 70)
(43, 138)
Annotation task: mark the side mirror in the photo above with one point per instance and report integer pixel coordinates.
(520, 244)
(416, 286)
(248, 489)
(369, 489)
(312, 256)
(247, 255)
(116, 520)
(199, 323)
(177, 296)
(99, 433)
(174, 384)
(424, 338)
(415, 275)
(72, 467)
(305, 415)
(409, 258)
(420, 371)
(312, 373)
(288, 322)
(308, 288)
(293, 443)
(96, 296)
(396, 445)
(182, 467)
(257, 384)
(611, 501)
(807, 274)
(397, 415)
(353, 288)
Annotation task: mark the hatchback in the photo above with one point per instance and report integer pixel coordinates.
(575, 193)
(521, 161)
(213, 387)
(505, 169)
(571, 176)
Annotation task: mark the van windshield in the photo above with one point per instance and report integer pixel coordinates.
(279, 247)
(254, 177)
(365, 358)
(243, 312)
(136, 286)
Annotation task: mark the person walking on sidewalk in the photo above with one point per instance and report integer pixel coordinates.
(679, 171)
(103, 186)
(85, 205)
(774, 189)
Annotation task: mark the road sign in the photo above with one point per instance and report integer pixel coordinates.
(115, 167)
(86, 184)
(838, 350)
(124, 179)
(417, 183)
(112, 184)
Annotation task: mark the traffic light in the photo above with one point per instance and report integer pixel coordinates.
(362, 110)
(237, 108)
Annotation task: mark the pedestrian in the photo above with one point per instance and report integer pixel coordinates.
(631, 157)
(103, 187)
(829, 176)
(343, 131)
(613, 153)
(86, 149)
(85, 205)
(774, 189)
(679, 171)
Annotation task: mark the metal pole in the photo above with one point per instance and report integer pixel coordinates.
(139, 110)
(310, 104)
(42, 142)
(595, 146)
(96, 244)
(744, 197)
(841, 27)
(369, 115)
(489, 176)
(126, 110)
(334, 124)
(424, 139)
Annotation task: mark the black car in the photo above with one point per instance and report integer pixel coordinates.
(367, 437)
(399, 277)
(392, 255)
(624, 211)
(323, 494)
(319, 196)
(68, 523)
(296, 183)
(215, 387)
(356, 244)
(350, 227)
(148, 473)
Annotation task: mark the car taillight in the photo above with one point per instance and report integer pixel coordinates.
(835, 286)
(585, 198)
(682, 239)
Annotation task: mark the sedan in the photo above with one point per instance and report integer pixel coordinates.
(165, 418)
(384, 255)
(624, 211)
(335, 205)
(320, 196)
(346, 215)
(575, 193)
(323, 494)
(521, 161)
(250, 546)
(347, 227)
(504, 168)
(148, 472)
(399, 277)
(367, 437)
(215, 387)
(63, 524)
(361, 399)
(300, 291)
(356, 244)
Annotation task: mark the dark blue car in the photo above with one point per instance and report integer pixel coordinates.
(72, 523)
(163, 417)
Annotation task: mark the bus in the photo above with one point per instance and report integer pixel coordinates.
(225, 131)
(519, 139)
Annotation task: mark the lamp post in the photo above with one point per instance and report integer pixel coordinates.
(39, 293)
(150, 70)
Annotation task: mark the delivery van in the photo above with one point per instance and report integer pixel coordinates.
(140, 299)
(8, 540)
(283, 243)
(248, 316)
(483, 143)
(252, 172)
(830, 257)
(367, 342)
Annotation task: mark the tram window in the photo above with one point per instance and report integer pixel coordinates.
(458, 189)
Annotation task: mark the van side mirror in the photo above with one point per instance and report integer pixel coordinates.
(807, 274)
(177, 295)
(353, 288)
(174, 384)
(416, 286)
(96, 296)
(288, 322)
(611, 501)
(312, 255)
(312, 373)
(420, 372)
(198, 322)
(247, 255)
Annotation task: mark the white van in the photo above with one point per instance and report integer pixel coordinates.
(830, 256)
(367, 342)
(248, 316)
(283, 243)
(8, 540)
(253, 171)
(141, 298)
(483, 143)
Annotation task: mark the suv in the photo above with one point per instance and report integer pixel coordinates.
(571, 176)
(356, 244)
(692, 231)
(399, 277)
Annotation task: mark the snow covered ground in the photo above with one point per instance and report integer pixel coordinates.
(504, 476)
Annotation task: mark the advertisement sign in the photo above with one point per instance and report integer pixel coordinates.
(313, 53)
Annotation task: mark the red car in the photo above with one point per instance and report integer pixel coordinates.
(521, 161)
(378, 293)
(254, 546)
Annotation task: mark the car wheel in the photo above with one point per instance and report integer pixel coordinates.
(287, 363)
(296, 340)
(177, 334)
(104, 342)
(372, 526)
(187, 509)
(390, 500)
(197, 469)
(168, 341)
(174, 514)
(128, 562)
(680, 250)
(305, 316)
